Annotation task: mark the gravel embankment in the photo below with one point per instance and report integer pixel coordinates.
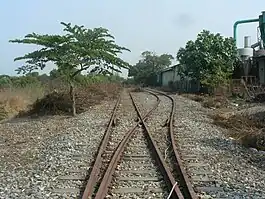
(39, 156)
(256, 113)
(36, 153)
(238, 170)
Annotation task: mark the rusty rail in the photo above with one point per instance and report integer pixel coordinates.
(96, 167)
(103, 188)
(93, 178)
(168, 177)
(185, 182)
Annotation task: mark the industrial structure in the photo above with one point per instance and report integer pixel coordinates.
(168, 75)
(252, 58)
(251, 72)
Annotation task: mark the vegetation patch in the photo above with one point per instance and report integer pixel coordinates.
(246, 131)
(36, 95)
(15, 100)
(209, 59)
(77, 51)
(209, 101)
(58, 103)
(247, 128)
(145, 71)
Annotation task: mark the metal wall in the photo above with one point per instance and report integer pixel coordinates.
(261, 63)
(187, 86)
(167, 76)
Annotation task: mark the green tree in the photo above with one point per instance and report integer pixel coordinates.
(5, 81)
(33, 74)
(146, 69)
(25, 81)
(209, 59)
(77, 50)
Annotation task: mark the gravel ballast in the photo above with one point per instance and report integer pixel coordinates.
(237, 170)
(36, 153)
(128, 165)
(38, 156)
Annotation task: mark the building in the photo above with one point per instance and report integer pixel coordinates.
(168, 75)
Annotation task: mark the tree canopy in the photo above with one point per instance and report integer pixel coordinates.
(145, 70)
(208, 59)
(77, 50)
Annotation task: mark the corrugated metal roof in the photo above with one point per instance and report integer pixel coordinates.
(169, 68)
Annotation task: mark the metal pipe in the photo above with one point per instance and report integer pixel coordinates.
(241, 22)
(255, 45)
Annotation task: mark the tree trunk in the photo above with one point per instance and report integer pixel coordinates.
(72, 95)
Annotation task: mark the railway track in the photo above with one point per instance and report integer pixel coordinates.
(131, 165)
(148, 170)
(176, 162)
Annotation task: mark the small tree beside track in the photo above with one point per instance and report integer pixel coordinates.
(80, 49)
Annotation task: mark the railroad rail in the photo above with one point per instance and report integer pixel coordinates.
(183, 180)
(97, 165)
(178, 189)
(93, 179)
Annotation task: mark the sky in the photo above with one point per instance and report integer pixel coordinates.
(140, 25)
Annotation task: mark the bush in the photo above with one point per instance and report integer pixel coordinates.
(249, 133)
(14, 100)
(59, 103)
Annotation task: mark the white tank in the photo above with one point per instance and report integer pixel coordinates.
(247, 42)
(245, 53)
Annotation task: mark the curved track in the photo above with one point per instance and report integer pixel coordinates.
(184, 181)
(182, 189)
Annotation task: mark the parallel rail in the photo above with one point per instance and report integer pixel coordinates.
(185, 183)
(186, 190)
(168, 177)
(93, 179)
(98, 162)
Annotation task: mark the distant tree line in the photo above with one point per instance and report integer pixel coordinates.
(35, 79)
(210, 59)
(146, 69)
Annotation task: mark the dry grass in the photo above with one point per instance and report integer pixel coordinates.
(12, 101)
(244, 129)
(59, 102)
(208, 101)
(52, 101)
(249, 133)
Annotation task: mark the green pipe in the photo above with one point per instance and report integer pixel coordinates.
(240, 22)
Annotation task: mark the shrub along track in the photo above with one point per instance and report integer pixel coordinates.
(150, 154)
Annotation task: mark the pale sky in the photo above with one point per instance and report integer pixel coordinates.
(155, 25)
